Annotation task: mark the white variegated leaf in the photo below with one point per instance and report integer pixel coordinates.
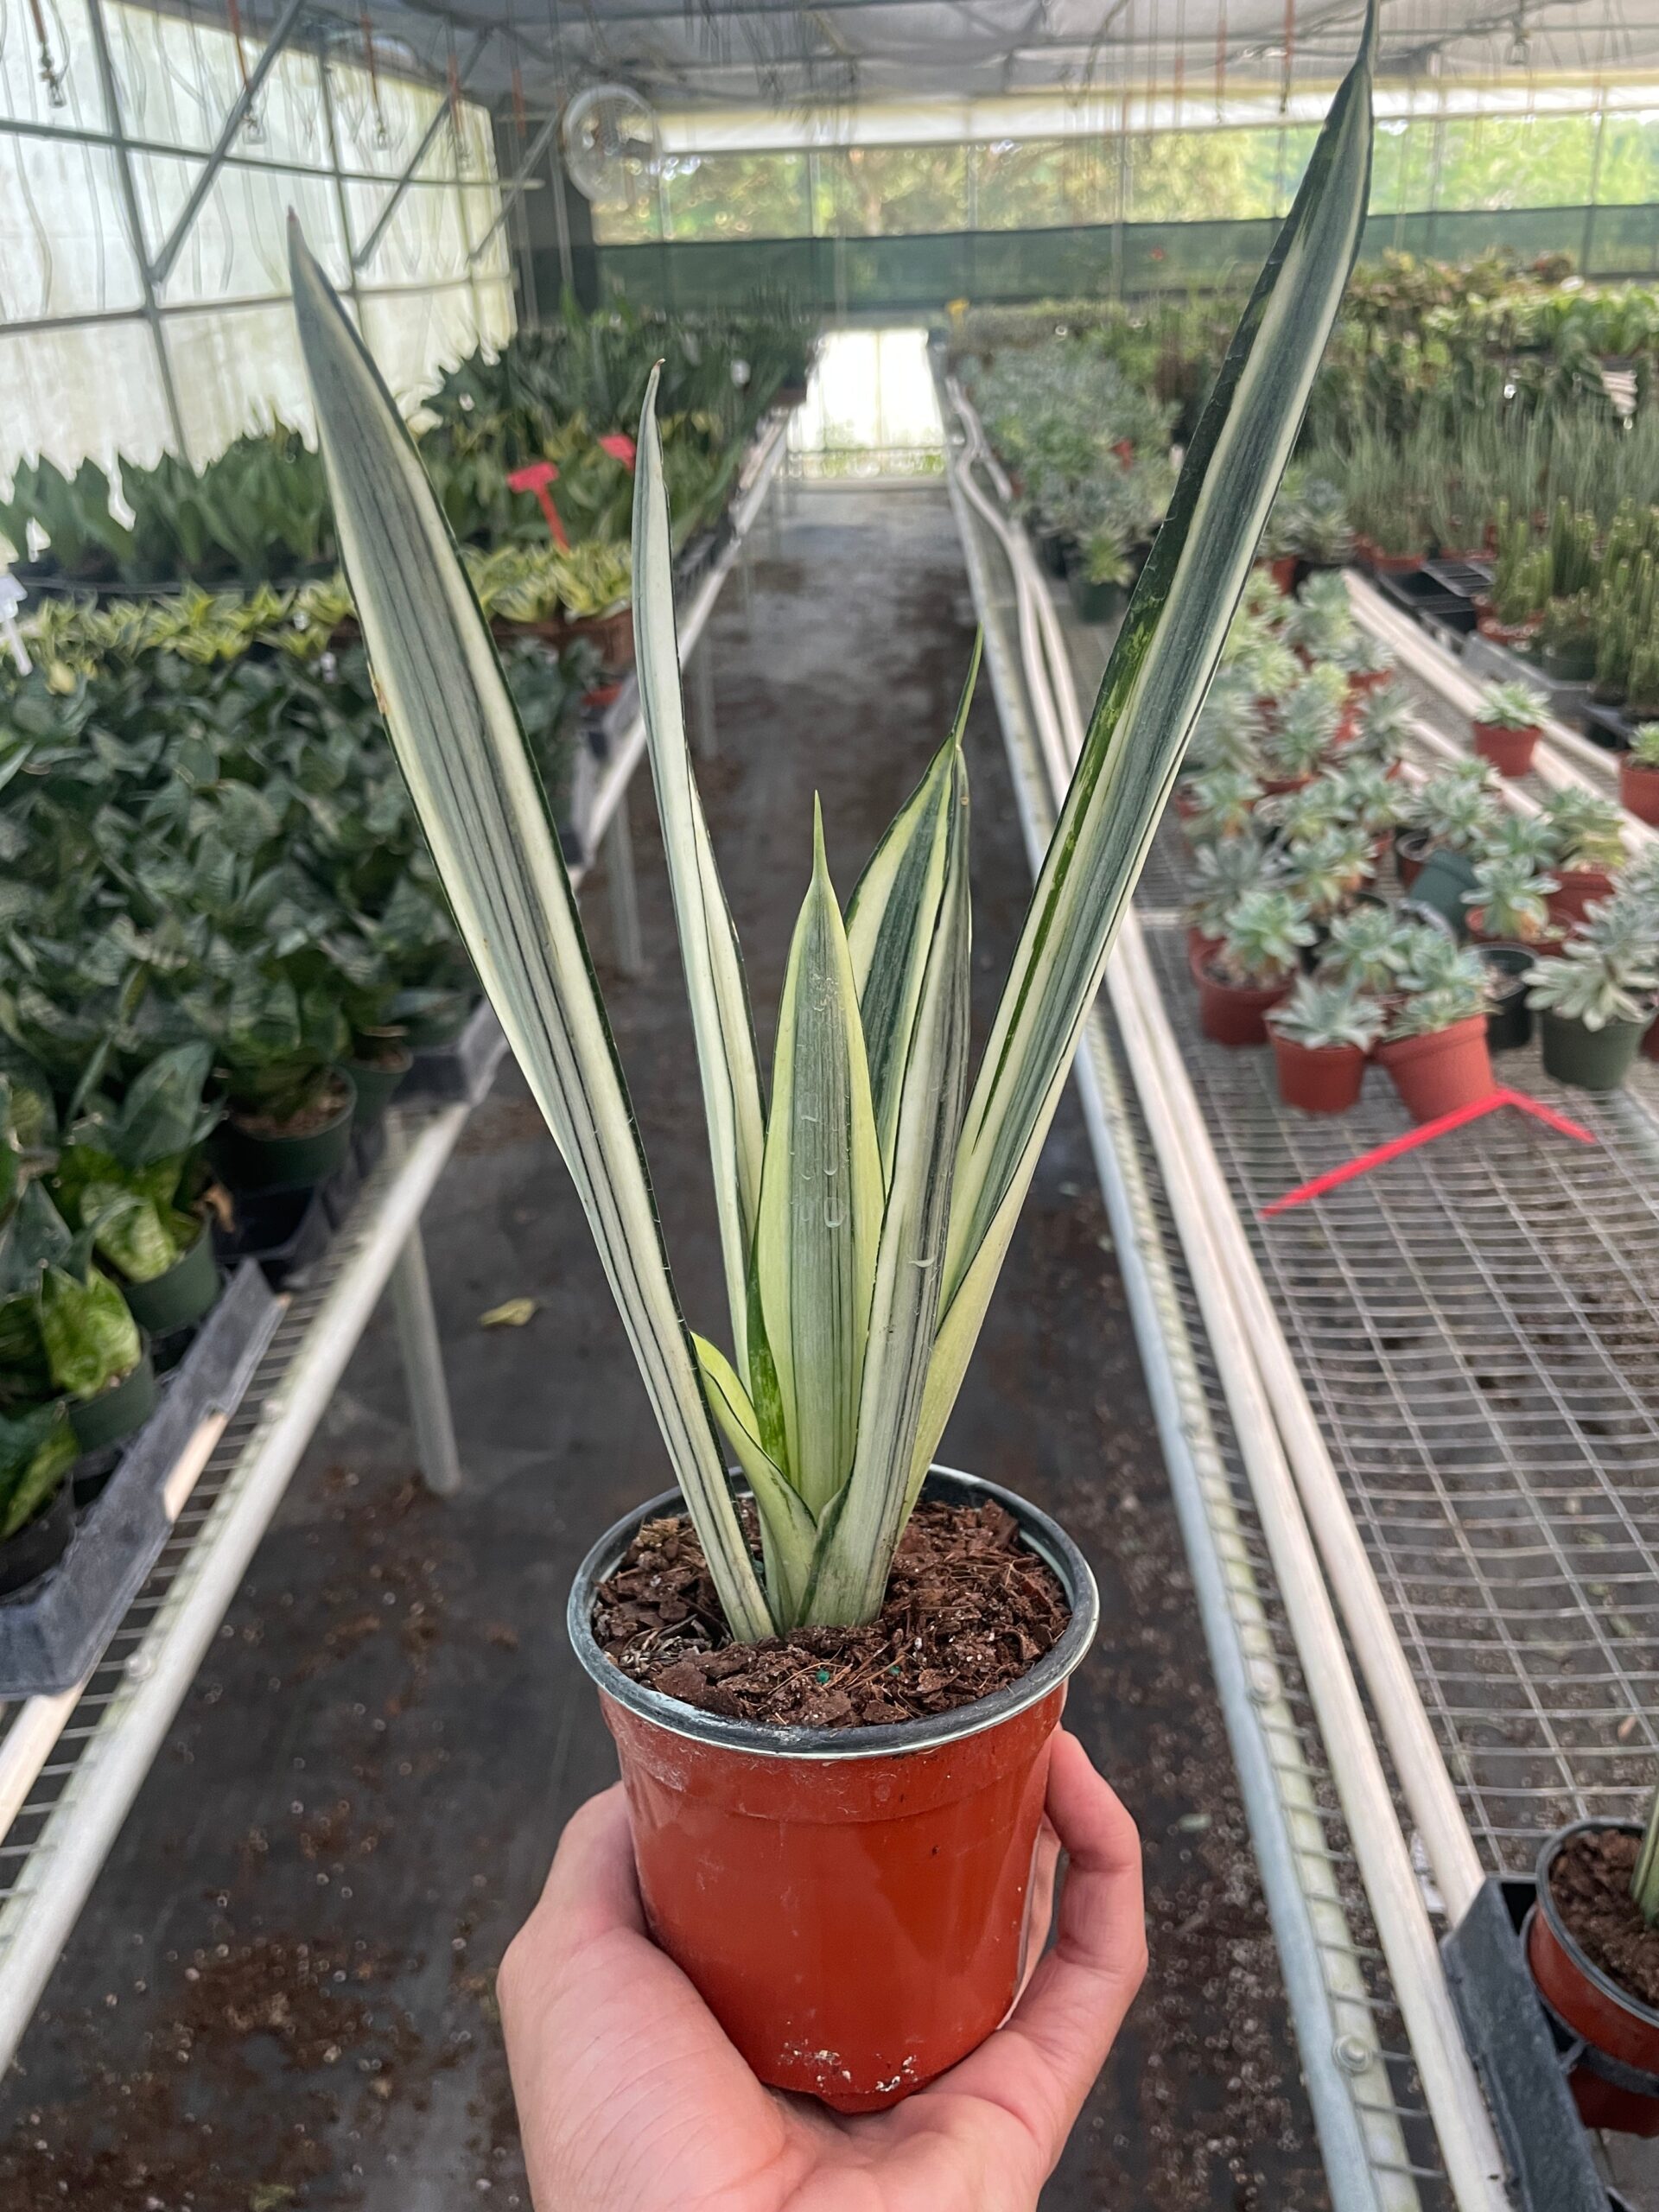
(481, 805)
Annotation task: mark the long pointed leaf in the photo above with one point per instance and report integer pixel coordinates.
(714, 967)
(909, 1261)
(820, 1198)
(890, 924)
(788, 1531)
(1155, 680)
(480, 802)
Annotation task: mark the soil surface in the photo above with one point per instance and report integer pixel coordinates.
(376, 1758)
(325, 1108)
(1590, 1882)
(968, 1608)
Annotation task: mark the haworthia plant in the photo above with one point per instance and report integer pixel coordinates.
(865, 1211)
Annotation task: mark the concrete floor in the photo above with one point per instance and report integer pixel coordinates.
(281, 1992)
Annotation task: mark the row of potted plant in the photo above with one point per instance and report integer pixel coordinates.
(511, 438)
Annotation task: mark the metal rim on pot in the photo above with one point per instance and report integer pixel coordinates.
(1558, 1927)
(1044, 1536)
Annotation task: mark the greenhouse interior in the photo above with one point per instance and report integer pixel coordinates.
(981, 1537)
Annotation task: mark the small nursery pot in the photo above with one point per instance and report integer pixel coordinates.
(1638, 791)
(1236, 1013)
(1317, 1079)
(246, 1160)
(1615, 2082)
(430, 1033)
(1282, 569)
(1595, 1060)
(116, 1413)
(852, 1904)
(1436, 1074)
(183, 1294)
(376, 1082)
(40, 1544)
(1578, 890)
(1510, 751)
(1095, 603)
(1508, 1024)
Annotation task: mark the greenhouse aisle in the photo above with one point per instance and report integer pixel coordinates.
(365, 1784)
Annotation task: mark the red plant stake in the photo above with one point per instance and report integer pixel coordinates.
(1380, 1155)
(619, 445)
(535, 479)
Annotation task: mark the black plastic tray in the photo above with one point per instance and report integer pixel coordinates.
(286, 1231)
(463, 1071)
(52, 1632)
(1608, 727)
(1418, 594)
(1523, 2071)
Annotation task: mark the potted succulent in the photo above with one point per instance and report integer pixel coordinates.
(1219, 804)
(117, 1176)
(864, 1213)
(1322, 1035)
(1508, 900)
(1586, 845)
(1304, 728)
(1382, 726)
(1638, 774)
(1591, 1943)
(1320, 625)
(1368, 662)
(1099, 575)
(1221, 874)
(1366, 949)
(1507, 723)
(1454, 811)
(1327, 871)
(1596, 997)
(1253, 967)
(1434, 1047)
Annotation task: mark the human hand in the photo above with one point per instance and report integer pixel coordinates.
(631, 2098)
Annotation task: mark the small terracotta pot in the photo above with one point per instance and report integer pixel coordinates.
(1506, 633)
(1282, 569)
(1510, 751)
(1386, 564)
(1650, 1043)
(1317, 1079)
(1435, 1075)
(1200, 950)
(1620, 2034)
(1577, 890)
(1236, 1013)
(852, 1904)
(1281, 786)
(1367, 679)
(1638, 789)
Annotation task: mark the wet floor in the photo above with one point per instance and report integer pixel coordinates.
(280, 1995)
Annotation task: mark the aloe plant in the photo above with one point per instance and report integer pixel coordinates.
(865, 1211)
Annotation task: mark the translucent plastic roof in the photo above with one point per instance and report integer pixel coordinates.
(687, 54)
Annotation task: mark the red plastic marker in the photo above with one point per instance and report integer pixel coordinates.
(620, 447)
(1381, 1154)
(535, 479)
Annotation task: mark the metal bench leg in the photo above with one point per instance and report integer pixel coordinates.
(617, 848)
(422, 1355)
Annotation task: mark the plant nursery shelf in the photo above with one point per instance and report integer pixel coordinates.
(71, 1765)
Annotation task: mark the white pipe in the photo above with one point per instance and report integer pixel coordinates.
(1474, 2163)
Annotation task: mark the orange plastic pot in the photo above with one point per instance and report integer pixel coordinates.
(1317, 1079)
(1236, 1013)
(1638, 789)
(1510, 751)
(1577, 890)
(1615, 2080)
(1436, 1074)
(1282, 569)
(852, 1904)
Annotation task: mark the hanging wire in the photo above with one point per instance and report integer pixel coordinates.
(1221, 58)
(51, 74)
(253, 122)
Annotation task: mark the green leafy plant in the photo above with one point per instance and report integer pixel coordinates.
(1644, 746)
(866, 1211)
(1366, 949)
(1368, 796)
(1586, 831)
(1593, 980)
(1514, 705)
(1439, 982)
(1223, 874)
(1509, 898)
(1310, 715)
(119, 1170)
(1645, 1875)
(1309, 812)
(1325, 872)
(1223, 801)
(1321, 624)
(1457, 807)
(1326, 1014)
(1262, 938)
(65, 1330)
